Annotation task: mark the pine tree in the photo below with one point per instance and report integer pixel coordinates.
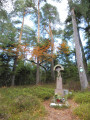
(50, 16)
(81, 69)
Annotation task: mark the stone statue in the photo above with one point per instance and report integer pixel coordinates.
(59, 89)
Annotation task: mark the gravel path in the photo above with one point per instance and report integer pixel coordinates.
(63, 114)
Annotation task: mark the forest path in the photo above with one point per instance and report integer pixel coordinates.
(60, 114)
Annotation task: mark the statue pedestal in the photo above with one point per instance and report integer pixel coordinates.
(59, 89)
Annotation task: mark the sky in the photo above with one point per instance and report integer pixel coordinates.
(62, 8)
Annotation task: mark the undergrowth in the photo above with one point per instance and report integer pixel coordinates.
(23, 103)
(83, 111)
(82, 97)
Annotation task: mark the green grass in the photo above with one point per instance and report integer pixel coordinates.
(83, 111)
(82, 97)
(42, 92)
(23, 103)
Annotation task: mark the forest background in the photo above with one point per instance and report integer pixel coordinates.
(18, 41)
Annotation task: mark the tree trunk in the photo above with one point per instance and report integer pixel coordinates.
(88, 37)
(14, 69)
(83, 54)
(38, 22)
(81, 69)
(15, 60)
(52, 71)
(52, 49)
(20, 36)
(38, 72)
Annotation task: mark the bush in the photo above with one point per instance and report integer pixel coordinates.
(82, 97)
(83, 111)
(22, 108)
(19, 104)
(23, 103)
(42, 92)
(28, 103)
(28, 76)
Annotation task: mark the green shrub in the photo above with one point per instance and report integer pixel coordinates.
(20, 104)
(23, 103)
(39, 91)
(42, 92)
(28, 103)
(83, 111)
(23, 107)
(82, 97)
(28, 76)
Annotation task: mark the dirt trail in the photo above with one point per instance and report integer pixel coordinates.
(64, 114)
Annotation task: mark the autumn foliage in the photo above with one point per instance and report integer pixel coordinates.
(15, 49)
(42, 51)
(63, 48)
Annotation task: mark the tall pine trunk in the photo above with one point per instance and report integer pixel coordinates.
(83, 54)
(81, 69)
(52, 49)
(20, 36)
(38, 72)
(52, 72)
(16, 57)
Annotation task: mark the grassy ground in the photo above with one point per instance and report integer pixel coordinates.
(23, 103)
(83, 111)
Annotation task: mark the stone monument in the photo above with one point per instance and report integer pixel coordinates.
(59, 88)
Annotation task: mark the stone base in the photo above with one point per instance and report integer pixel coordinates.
(59, 91)
(60, 105)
